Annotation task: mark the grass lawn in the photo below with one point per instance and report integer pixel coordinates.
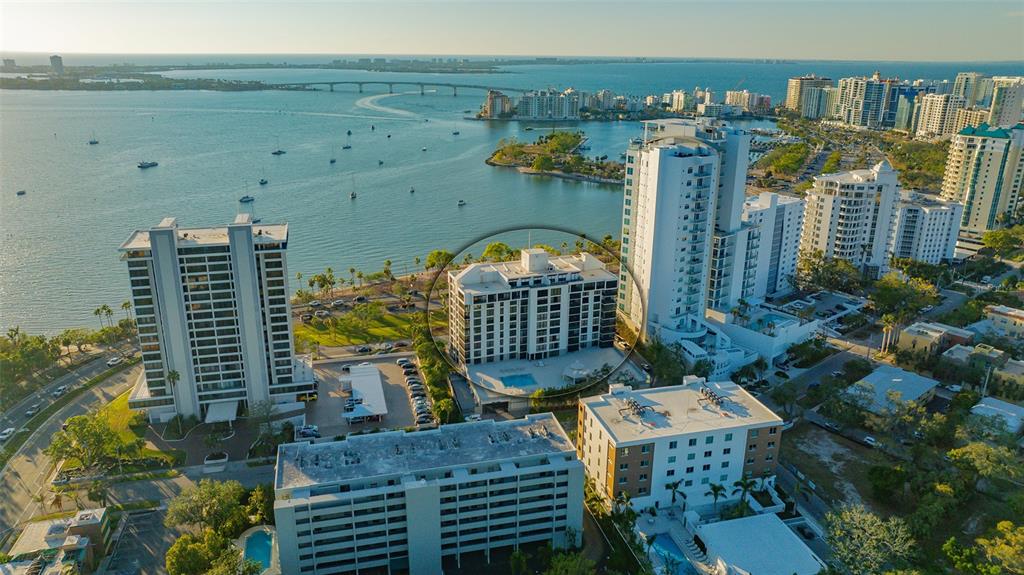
(568, 419)
(390, 326)
(120, 419)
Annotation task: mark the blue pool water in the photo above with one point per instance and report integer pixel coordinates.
(664, 545)
(519, 380)
(257, 548)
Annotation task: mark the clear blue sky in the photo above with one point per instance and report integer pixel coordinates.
(814, 29)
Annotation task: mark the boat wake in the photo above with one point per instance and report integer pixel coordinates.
(370, 103)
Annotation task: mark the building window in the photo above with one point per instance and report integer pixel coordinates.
(688, 483)
(707, 454)
(772, 430)
(728, 437)
(672, 459)
(670, 472)
(723, 477)
(623, 466)
(643, 477)
(727, 451)
(672, 444)
(623, 480)
(691, 456)
(704, 481)
(769, 457)
(754, 432)
(693, 441)
(752, 447)
(771, 444)
(689, 469)
(709, 440)
(643, 463)
(645, 449)
(750, 461)
(725, 464)
(705, 467)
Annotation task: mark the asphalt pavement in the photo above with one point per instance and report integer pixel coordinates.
(28, 471)
(15, 415)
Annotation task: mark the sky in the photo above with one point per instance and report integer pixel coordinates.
(913, 30)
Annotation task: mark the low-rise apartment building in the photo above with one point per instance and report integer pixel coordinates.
(1007, 320)
(690, 435)
(537, 307)
(932, 337)
(420, 501)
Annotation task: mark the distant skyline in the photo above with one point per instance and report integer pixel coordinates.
(909, 30)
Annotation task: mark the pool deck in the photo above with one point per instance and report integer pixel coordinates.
(275, 560)
(546, 373)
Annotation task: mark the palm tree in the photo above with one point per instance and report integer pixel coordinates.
(352, 276)
(674, 488)
(715, 491)
(98, 312)
(360, 276)
(889, 322)
(57, 500)
(743, 486)
(387, 269)
(126, 306)
(416, 260)
(760, 365)
(109, 313)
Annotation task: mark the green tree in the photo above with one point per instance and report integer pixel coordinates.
(1006, 547)
(438, 259)
(260, 506)
(743, 486)
(968, 560)
(207, 553)
(497, 251)
(518, 562)
(262, 414)
(815, 272)
(715, 491)
(984, 461)
(676, 492)
(87, 438)
(209, 505)
(444, 409)
(1005, 241)
(785, 395)
(901, 297)
(571, 564)
(543, 163)
(864, 543)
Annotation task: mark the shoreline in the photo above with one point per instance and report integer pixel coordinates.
(555, 174)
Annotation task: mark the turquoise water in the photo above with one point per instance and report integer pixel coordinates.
(258, 547)
(664, 545)
(58, 243)
(519, 380)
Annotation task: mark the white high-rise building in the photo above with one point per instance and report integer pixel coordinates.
(418, 502)
(862, 101)
(938, 115)
(549, 105)
(212, 307)
(537, 307)
(780, 220)
(637, 442)
(984, 170)
(1007, 101)
(926, 228)
(682, 235)
(969, 117)
(851, 215)
(969, 86)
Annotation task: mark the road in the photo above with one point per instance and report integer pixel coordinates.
(15, 416)
(27, 472)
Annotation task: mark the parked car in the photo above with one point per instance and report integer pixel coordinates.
(418, 394)
(114, 361)
(837, 373)
(927, 308)
(956, 388)
(403, 361)
(363, 349)
(473, 417)
(401, 344)
(306, 316)
(322, 313)
(6, 434)
(315, 303)
(870, 441)
(311, 396)
(360, 299)
(338, 303)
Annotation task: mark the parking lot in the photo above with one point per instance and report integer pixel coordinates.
(142, 546)
(326, 412)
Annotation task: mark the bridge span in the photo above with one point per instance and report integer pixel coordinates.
(391, 85)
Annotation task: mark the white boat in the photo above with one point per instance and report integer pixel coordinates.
(462, 203)
(246, 199)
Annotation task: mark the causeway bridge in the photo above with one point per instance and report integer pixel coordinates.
(423, 86)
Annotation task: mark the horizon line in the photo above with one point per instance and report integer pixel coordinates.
(509, 56)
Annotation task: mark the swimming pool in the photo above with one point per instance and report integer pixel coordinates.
(519, 380)
(258, 546)
(664, 545)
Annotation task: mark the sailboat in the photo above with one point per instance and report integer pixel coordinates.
(92, 140)
(347, 145)
(455, 132)
(352, 194)
(278, 151)
(333, 159)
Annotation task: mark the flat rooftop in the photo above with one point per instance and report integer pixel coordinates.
(1008, 311)
(886, 378)
(368, 388)
(393, 453)
(760, 544)
(934, 329)
(262, 233)
(1011, 413)
(492, 277)
(678, 409)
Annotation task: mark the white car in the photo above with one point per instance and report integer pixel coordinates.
(870, 441)
(114, 361)
(6, 434)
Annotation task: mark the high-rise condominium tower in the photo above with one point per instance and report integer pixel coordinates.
(214, 319)
(983, 172)
(851, 215)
